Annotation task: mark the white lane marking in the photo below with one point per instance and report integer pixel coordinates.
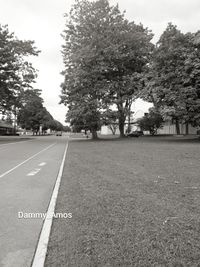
(7, 172)
(34, 172)
(42, 164)
(16, 142)
(41, 250)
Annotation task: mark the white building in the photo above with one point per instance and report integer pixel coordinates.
(139, 108)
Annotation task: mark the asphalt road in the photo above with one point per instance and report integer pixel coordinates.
(28, 171)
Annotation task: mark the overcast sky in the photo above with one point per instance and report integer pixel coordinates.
(43, 21)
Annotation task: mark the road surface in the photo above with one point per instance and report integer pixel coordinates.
(28, 172)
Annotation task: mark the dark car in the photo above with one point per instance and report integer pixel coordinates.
(59, 133)
(135, 134)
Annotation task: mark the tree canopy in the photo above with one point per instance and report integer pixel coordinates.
(33, 115)
(172, 82)
(16, 73)
(151, 122)
(104, 56)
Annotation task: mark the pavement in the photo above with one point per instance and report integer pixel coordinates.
(28, 172)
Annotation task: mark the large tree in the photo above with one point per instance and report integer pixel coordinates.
(16, 73)
(192, 80)
(104, 56)
(172, 82)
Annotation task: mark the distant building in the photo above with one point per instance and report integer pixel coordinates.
(6, 128)
(139, 109)
(170, 128)
(105, 130)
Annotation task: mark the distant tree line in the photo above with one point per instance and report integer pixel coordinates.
(32, 114)
(19, 101)
(110, 62)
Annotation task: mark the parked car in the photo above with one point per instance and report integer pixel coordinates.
(59, 133)
(135, 134)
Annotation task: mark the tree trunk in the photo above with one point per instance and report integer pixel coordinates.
(121, 127)
(177, 127)
(121, 118)
(15, 120)
(113, 129)
(94, 135)
(187, 128)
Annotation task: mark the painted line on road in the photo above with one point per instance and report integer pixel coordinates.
(42, 164)
(34, 172)
(41, 250)
(7, 172)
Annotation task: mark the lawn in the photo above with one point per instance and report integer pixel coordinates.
(134, 202)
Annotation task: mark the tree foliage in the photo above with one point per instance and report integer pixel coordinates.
(17, 96)
(16, 73)
(151, 122)
(33, 114)
(66, 128)
(104, 56)
(172, 82)
(56, 125)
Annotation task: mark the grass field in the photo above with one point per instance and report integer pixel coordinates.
(135, 202)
